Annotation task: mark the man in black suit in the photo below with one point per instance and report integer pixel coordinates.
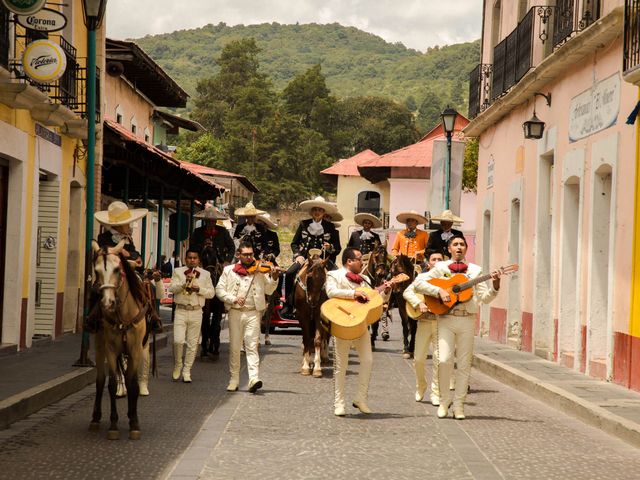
(365, 240)
(438, 239)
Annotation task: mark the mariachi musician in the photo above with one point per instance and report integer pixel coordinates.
(365, 240)
(249, 229)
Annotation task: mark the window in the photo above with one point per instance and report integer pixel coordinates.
(134, 125)
(369, 202)
(119, 114)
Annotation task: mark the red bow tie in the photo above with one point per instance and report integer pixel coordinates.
(458, 267)
(354, 277)
(240, 270)
(192, 271)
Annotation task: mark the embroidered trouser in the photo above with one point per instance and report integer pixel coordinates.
(186, 329)
(455, 343)
(341, 364)
(244, 325)
(426, 335)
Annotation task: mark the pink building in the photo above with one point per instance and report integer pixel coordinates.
(562, 205)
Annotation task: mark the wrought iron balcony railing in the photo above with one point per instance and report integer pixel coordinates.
(70, 89)
(631, 58)
(479, 89)
(572, 16)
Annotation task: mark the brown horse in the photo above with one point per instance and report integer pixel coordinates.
(308, 297)
(123, 306)
(404, 264)
(377, 269)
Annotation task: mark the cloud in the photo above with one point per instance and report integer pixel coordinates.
(416, 23)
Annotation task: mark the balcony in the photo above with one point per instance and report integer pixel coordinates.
(527, 47)
(631, 52)
(59, 103)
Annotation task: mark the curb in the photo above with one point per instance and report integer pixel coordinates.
(562, 400)
(25, 403)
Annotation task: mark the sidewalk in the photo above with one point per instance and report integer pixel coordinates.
(44, 374)
(609, 407)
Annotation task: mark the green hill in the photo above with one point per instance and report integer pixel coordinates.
(354, 62)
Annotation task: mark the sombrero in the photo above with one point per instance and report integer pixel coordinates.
(211, 213)
(359, 218)
(336, 224)
(335, 217)
(117, 213)
(448, 216)
(248, 211)
(266, 219)
(404, 216)
(319, 202)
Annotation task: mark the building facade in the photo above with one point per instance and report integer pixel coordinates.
(562, 205)
(42, 165)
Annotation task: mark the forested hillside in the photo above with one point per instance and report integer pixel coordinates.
(355, 63)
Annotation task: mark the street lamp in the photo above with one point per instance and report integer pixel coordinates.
(534, 127)
(93, 11)
(448, 123)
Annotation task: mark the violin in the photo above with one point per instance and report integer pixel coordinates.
(264, 267)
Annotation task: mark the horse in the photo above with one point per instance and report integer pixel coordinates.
(213, 307)
(404, 264)
(309, 295)
(123, 307)
(377, 269)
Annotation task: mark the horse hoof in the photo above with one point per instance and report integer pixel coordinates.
(317, 373)
(113, 435)
(134, 435)
(305, 371)
(94, 426)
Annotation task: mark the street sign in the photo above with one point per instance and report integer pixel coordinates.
(45, 20)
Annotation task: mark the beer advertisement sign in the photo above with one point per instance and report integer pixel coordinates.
(24, 7)
(44, 61)
(46, 20)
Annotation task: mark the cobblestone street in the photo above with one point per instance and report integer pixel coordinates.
(288, 430)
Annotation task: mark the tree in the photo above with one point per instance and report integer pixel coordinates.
(429, 113)
(470, 166)
(303, 92)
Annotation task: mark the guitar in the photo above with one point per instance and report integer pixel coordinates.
(459, 288)
(348, 318)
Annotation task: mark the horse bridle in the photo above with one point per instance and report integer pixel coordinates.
(105, 286)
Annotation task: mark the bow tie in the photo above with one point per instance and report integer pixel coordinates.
(192, 271)
(458, 267)
(410, 234)
(354, 277)
(240, 270)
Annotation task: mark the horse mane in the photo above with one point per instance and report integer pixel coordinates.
(135, 285)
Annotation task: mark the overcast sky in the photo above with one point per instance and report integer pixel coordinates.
(416, 23)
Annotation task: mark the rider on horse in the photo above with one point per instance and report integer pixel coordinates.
(313, 233)
(249, 229)
(222, 241)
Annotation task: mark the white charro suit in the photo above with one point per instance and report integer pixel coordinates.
(425, 336)
(339, 286)
(455, 330)
(244, 322)
(188, 317)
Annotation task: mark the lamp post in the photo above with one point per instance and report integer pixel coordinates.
(93, 11)
(448, 123)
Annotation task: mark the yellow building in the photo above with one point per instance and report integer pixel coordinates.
(42, 109)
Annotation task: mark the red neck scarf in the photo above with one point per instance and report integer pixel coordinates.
(458, 267)
(192, 271)
(354, 277)
(210, 231)
(240, 270)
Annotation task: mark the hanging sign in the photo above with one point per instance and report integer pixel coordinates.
(24, 7)
(595, 109)
(45, 20)
(44, 61)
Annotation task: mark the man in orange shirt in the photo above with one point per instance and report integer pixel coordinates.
(411, 241)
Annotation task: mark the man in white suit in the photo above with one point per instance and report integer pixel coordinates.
(455, 330)
(243, 293)
(190, 286)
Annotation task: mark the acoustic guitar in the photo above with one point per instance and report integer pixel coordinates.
(460, 290)
(348, 318)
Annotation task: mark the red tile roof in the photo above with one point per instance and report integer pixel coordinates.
(204, 170)
(349, 166)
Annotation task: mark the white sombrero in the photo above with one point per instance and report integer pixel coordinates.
(336, 224)
(117, 213)
(404, 216)
(211, 213)
(359, 218)
(266, 219)
(319, 202)
(448, 216)
(248, 211)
